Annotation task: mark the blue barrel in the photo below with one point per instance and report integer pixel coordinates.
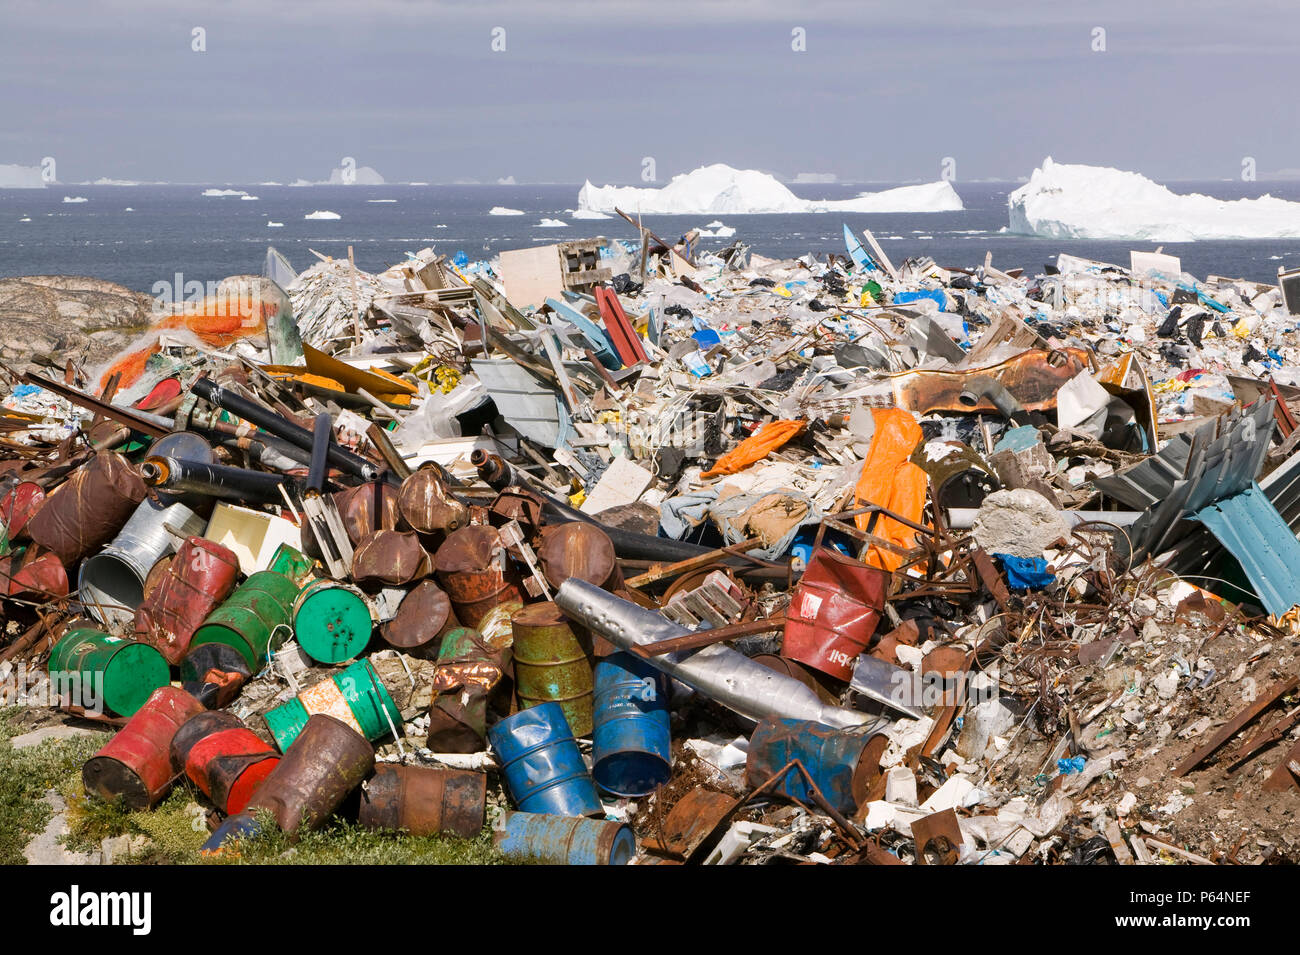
(631, 739)
(841, 762)
(564, 840)
(542, 765)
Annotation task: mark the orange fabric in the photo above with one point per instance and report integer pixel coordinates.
(891, 481)
(754, 448)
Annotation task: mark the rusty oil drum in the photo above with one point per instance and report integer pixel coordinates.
(136, 763)
(834, 612)
(564, 840)
(841, 762)
(478, 576)
(578, 549)
(254, 618)
(355, 695)
(551, 665)
(229, 766)
(427, 506)
(197, 579)
(424, 801)
(423, 618)
(119, 674)
(324, 765)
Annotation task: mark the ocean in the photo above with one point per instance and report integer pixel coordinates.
(176, 229)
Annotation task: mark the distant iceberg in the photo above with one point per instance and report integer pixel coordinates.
(322, 214)
(1063, 201)
(506, 181)
(721, 190)
(551, 224)
(21, 177)
(362, 176)
(274, 225)
(503, 211)
(716, 230)
(224, 192)
(75, 199)
(104, 181)
(249, 198)
(587, 214)
(381, 200)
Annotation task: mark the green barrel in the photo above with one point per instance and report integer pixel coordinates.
(248, 620)
(354, 695)
(94, 668)
(332, 621)
(551, 666)
(293, 563)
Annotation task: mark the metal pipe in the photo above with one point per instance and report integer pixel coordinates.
(963, 518)
(719, 672)
(213, 480)
(983, 386)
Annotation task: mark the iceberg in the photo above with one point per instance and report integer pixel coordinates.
(322, 214)
(249, 198)
(20, 177)
(721, 190)
(1062, 201)
(587, 214)
(224, 192)
(361, 176)
(503, 211)
(274, 225)
(551, 224)
(75, 199)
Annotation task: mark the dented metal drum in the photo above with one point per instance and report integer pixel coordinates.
(119, 674)
(355, 696)
(834, 612)
(326, 762)
(197, 580)
(332, 621)
(423, 618)
(582, 550)
(255, 620)
(564, 840)
(542, 765)
(424, 801)
(551, 665)
(229, 766)
(632, 741)
(841, 762)
(477, 574)
(136, 763)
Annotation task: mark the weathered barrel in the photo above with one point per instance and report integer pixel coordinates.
(214, 673)
(632, 742)
(841, 762)
(229, 765)
(542, 765)
(196, 728)
(197, 579)
(564, 840)
(356, 696)
(550, 665)
(84, 513)
(96, 668)
(332, 621)
(578, 549)
(422, 619)
(136, 763)
(478, 575)
(254, 620)
(424, 801)
(326, 762)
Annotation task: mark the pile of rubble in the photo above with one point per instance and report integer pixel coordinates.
(638, 553)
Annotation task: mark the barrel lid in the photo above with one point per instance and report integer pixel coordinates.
(132, 675)
(332, 624)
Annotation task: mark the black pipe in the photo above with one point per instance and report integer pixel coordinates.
(322, 433)
(269, 421)
(214, 480)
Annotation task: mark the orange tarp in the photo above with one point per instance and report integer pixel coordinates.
(891, 481)
(754, 448)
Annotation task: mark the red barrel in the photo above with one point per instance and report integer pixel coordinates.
(136, 763)
(200, 577)
(229, 765)
(833, 612)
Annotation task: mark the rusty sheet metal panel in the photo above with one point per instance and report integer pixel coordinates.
(136, 763)
(551, 666)
(17, 505)
(690, 821)
(86, 512)
(367, 508)
(477, 574)
(1033, 378)
(199, 578)
(326, 762)
(423, 618)
(389, 559)
(842, 763)
(428, 506)
(424, 801)
(581, 550)
(32, 572)
(834, 612)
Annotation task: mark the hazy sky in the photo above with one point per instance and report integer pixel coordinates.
(883, 91)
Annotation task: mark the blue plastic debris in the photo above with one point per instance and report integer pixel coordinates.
(23, 391)
(1025, 573)
(460, 259)
(1070, 766)
(933, 294)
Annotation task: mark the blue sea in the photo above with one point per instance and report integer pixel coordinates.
(176, 229)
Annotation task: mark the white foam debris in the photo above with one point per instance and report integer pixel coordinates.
(224, 192)
(20, 177)
(721, 190)
(1065, 201)
(75, 199)
(552, 224)
(503, 211)
(322, 214)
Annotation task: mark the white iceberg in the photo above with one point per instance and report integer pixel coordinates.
(506, 181)
(249, 198)
(224, 192)
(322, 214)
(587, 214)
(274, 225)
(25, 219)
(552, 224)
(1063, 201)
(20, 177)
(503, 211)
(361, 176)
(75, 199)
(716, 230)
(104, 181)
(381, 200)
(721, 190)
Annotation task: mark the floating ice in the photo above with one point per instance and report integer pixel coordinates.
(322, 214)
(249, 198)
(551, 224)
(503, 211)
(75, 199)
(21, 177)
(274, 225)
(721, 190)
(361, 176)
(224, 192)
(381, 200)
(1063, 201)
(587, 214)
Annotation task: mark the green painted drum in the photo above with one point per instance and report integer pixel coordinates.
(293, 563)
(255, 617)
(332, 621)
(354, 695)
(93, 670)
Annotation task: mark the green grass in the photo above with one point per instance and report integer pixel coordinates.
(25, 775)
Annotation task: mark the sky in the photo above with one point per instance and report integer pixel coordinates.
(443, 91)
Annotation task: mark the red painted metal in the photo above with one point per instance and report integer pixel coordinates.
(229, 765)
(18, 504)
(626, 341)
(136, 763)
(834, 612)
(199, 578)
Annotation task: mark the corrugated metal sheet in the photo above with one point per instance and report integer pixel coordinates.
(1252, 530)
(536, 413)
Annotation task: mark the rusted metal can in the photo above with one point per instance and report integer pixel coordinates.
(86, 511)
(564, 840)
(254, 620)
(355, 695)
(423, 618)
(477, 574)
(120, 674)
(834, 612)
(839, 761)
(428, 507)
(196, 728)
(136, 763)
(366, 508)
(17, 505)
(229, 765)
(551, 666)
(326, 762)
(332, 621)
(389, 559)
(424, 801)
(198, 579)
(632, 743)
(541, 763)
(578, 549)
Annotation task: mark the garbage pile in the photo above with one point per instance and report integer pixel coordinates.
(637, 553)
